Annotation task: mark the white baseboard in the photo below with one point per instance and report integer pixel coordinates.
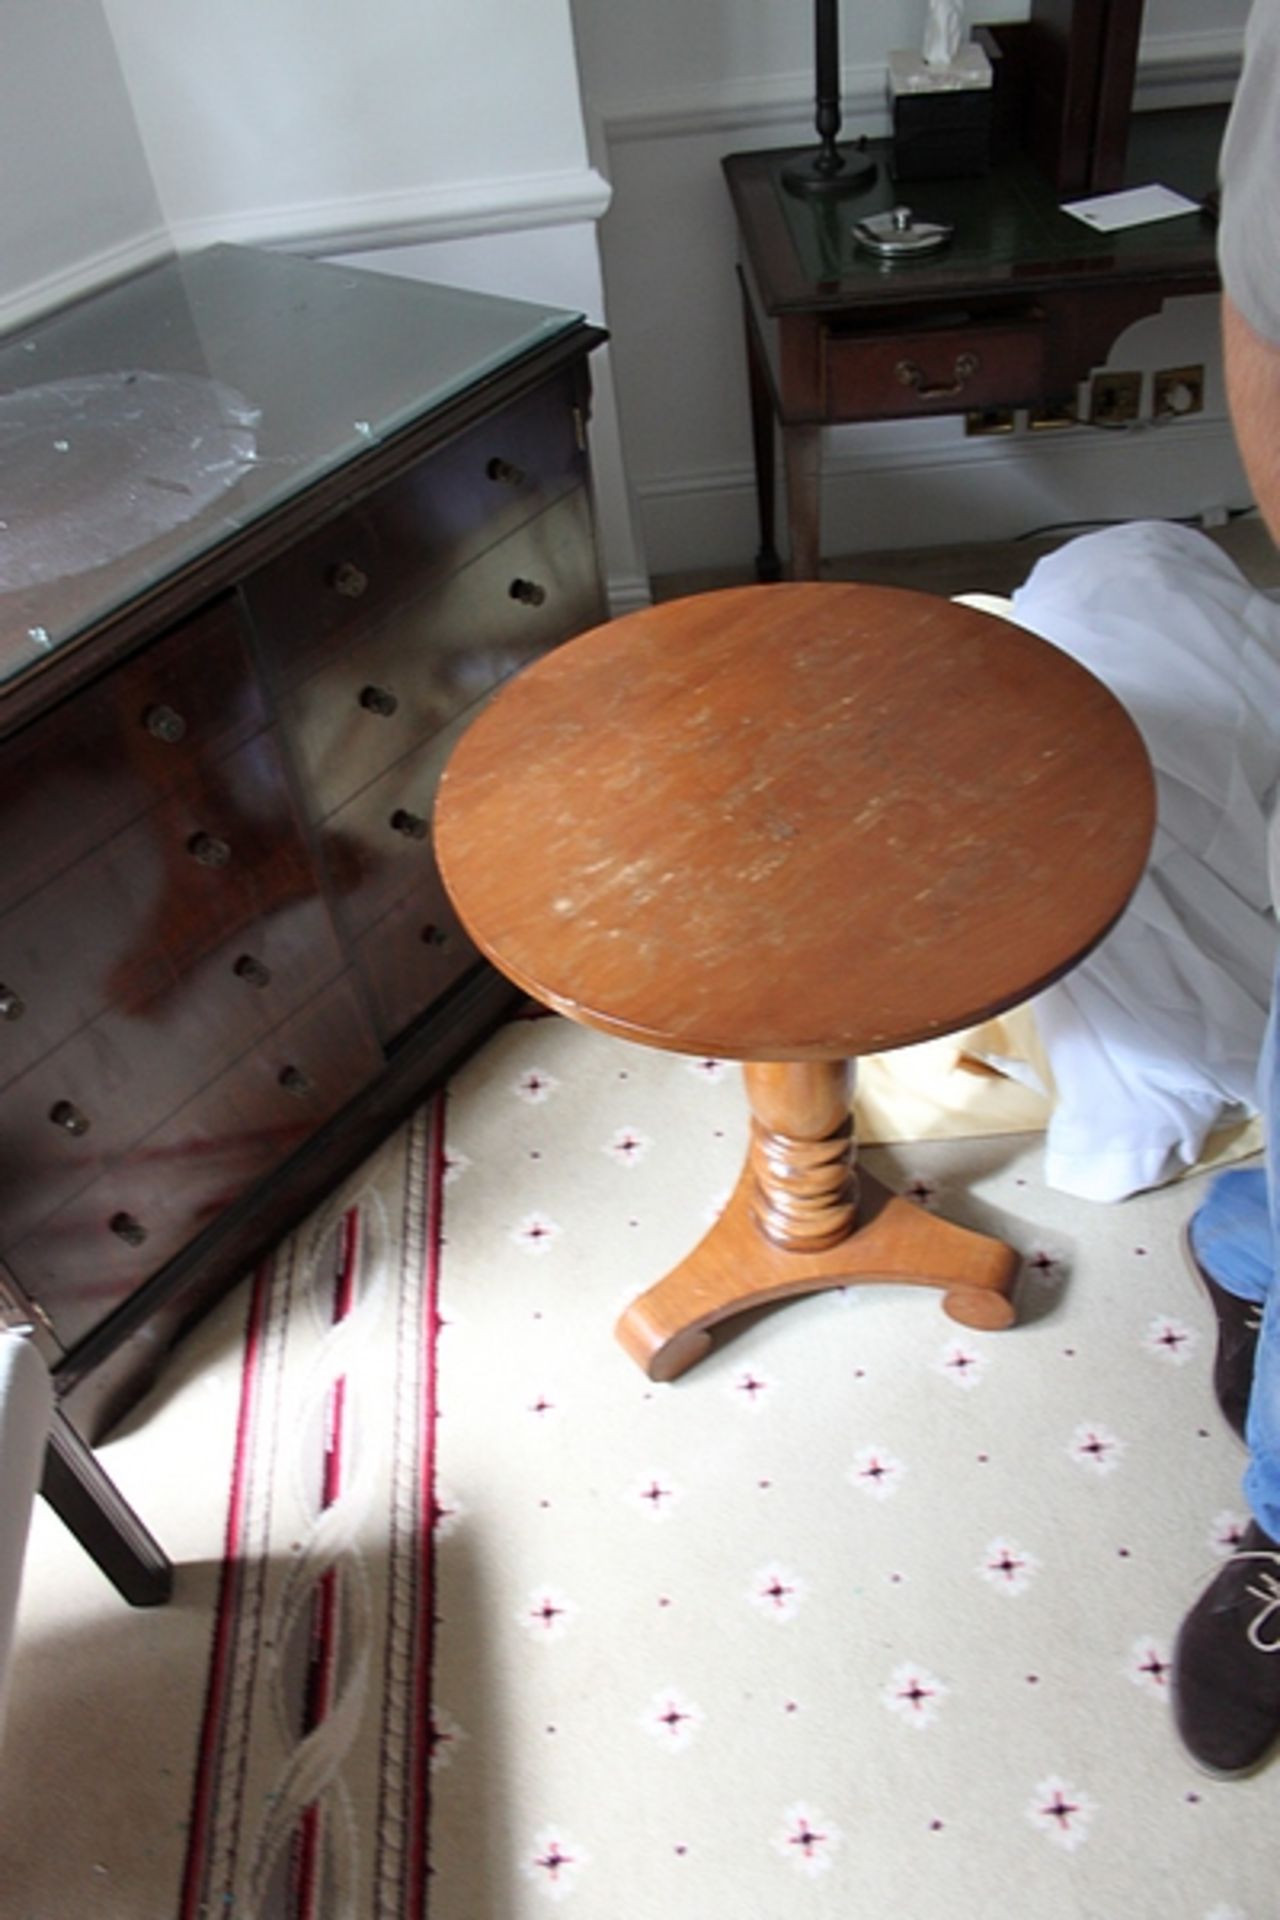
(951, 491)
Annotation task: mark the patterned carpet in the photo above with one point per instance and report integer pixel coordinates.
(867, 1615)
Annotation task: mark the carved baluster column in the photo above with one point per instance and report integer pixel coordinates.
(802, 1151)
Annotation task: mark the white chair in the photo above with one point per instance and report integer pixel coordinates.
(26, 1409)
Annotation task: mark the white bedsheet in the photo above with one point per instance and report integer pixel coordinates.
(1154, 1040)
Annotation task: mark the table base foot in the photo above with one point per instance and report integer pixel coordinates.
(666, 1330)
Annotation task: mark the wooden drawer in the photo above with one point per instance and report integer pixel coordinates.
(153, 903)
(430, 660)
(86, 1103)
(78, 774)
(85, 1260)
(411, 956)
(431, 521)
(893, 375)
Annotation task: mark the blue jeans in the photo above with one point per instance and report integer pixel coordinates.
(1236, 1236)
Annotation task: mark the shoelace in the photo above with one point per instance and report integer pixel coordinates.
(1267, 1590)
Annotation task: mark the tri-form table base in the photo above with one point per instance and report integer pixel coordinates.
(803, 1217)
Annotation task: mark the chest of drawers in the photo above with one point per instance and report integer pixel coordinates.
(227, 965)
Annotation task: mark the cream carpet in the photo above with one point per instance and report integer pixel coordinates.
(868, 1615)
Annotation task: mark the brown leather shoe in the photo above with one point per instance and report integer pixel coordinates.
(1239, 1322)
(1226, 1663)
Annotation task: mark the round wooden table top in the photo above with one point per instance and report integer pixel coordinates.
(794, 822)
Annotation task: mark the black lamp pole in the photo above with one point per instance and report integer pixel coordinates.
(831, 169)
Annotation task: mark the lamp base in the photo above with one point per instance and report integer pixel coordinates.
(830, 170)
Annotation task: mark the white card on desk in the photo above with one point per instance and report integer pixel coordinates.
(1131, 207)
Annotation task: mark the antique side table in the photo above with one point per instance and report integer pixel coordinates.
(789, 825)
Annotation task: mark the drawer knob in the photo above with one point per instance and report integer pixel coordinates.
(505, 473)
(295, 1081)
(434, 936)
(527, 592)
(126, 1228)
(69, 1118)
(411, 825)
(912, 375)
(379, 700)
(12, 1005)
(208, 850)
(164, 723)
(248, 969)
(349, 580)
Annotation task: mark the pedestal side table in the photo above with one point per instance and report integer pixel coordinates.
(789, 825)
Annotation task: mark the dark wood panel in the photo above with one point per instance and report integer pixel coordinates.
(85, 1260)
(417, 529)
(416, 671)
(123, 926)
(376, 848)
(411, 956)
(74, 777)
(894, 375)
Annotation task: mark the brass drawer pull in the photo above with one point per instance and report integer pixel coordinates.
(69, 1118)
(126, 1228)
(12, 1005)
(208, 850)
(294, 1081)
(248, 969)
(411, 825)
(164, 723)
(505, 473)
(379, 700)
(911, 375)
(349, 580)
(527, 592)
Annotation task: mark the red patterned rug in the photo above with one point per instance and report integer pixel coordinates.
(310, 1795)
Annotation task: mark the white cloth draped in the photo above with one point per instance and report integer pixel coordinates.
(1154, 1040)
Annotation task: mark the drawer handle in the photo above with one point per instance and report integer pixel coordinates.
(434, 936)
(251, 970)
(911, 375)
(126, 1228)
(349, 580)
(411, 825)
(164, 723)
(208, 850)
(12, 1005)
(505, 473)
(295, 1081)
(69, 1118)
(379, 700)
(527, 592)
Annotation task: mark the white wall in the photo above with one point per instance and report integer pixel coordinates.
(77, 200)
(671, 87)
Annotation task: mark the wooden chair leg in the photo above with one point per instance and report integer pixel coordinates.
(88, 1502)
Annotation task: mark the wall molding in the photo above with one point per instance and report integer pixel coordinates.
(38, 297)
(413, 216)
(1173, 69)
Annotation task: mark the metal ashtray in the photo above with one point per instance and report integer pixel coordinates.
(899, 235)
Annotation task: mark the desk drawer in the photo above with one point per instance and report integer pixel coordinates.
(80, 773)
(432, 658)
(888, 376)
(85, 1260)
(416, 529)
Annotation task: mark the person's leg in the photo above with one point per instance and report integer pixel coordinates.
(1226, 1664)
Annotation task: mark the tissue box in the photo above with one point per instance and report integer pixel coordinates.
(941, 116)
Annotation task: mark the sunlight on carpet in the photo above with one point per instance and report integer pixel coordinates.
(867, 1614)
